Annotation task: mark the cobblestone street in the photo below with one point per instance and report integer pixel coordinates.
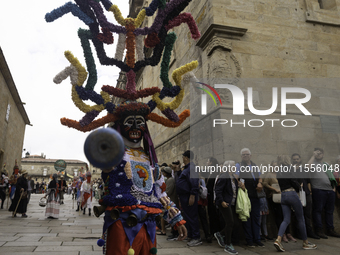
(77, 234)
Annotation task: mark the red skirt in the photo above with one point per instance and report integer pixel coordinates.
(117, 242)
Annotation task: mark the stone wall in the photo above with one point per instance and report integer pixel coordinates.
(13, 119)
(252, 39)
(259, 39)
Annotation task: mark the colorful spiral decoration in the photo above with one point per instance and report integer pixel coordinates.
(100, 31)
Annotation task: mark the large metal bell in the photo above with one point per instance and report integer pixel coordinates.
(114, 213)
(99, 210)
(132, 220)
(104, 148)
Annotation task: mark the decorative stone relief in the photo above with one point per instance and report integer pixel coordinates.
(222, 64)
(217, 42)
(223, 67)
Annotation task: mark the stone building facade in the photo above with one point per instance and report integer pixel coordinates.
(40, 168)
(282, 44)
(13, 118)
(260, 40)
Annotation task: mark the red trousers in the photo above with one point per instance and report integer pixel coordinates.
(117, 242)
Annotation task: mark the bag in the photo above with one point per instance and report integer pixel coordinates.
(276, 197)
(203, 192)
(302, 196)
(42, 202)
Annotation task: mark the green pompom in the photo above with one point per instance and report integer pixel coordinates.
(153, 250)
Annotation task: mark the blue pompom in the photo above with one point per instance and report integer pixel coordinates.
(100, 242)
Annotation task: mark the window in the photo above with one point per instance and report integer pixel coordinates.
(323, 12)
(45, 172)
(7, 112)
(328, 5)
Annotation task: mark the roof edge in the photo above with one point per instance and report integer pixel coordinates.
(12, 88)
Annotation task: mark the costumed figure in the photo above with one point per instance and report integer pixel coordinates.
(13, 180)
(86, 193)
(134, 192)
(96, 191)
(4, 185)
(19, 202)
(78, 187)
(62, 188)
(74, 187)
(53, 198)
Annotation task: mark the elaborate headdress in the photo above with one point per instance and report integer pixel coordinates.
(130, 37)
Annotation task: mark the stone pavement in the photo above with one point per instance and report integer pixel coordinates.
(74, 234)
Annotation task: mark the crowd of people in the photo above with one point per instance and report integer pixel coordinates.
(220, 203)
(19, 186)
(224, 201)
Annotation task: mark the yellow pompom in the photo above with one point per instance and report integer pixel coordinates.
(131, 252)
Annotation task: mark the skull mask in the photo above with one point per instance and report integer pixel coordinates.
(133, 127)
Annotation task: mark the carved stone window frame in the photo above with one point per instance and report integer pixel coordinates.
(315, 14)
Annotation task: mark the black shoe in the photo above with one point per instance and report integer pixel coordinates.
(172, 238)
(321, 234)
(312, 235)
(331, 232)
(259, 244)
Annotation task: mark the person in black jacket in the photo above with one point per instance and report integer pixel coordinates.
(20, 192)
(62, 187)
(213, 213)
(53, 198)
(289, 186)
(187, 190)
(226, 192)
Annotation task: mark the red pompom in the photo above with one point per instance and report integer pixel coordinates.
(151, 40)
(106, 36)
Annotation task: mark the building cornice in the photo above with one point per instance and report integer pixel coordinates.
(12, 88)
(220, 31)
